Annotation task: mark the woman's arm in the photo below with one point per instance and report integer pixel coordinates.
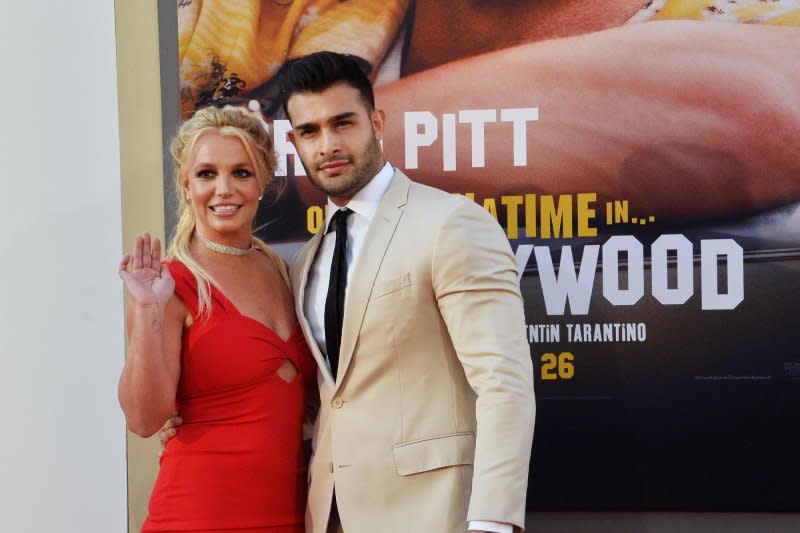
(685, 119)
(155, 319)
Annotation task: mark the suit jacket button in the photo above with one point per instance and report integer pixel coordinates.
(337, 403)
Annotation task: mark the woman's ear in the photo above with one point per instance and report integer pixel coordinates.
(186, 194)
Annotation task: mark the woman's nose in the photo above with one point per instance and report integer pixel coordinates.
(224, 185)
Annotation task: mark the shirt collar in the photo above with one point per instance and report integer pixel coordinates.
(365, 202)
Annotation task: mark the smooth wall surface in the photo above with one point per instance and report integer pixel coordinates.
(62, 450)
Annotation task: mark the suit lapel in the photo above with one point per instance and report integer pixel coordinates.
(376, 242)
(305, 266)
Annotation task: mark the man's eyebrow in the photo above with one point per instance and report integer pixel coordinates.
(335, 118)
(305, 126)
(341, 116)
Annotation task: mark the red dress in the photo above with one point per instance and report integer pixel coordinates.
(237, 462)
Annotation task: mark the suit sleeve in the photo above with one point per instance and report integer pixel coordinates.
(477, 290)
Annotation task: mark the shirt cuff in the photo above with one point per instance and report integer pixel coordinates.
(497, 527)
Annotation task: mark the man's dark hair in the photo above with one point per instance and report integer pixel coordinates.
(319, 71)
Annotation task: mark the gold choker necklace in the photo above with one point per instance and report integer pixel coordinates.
(224, 248)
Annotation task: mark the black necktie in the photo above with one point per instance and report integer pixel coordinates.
(334, 303)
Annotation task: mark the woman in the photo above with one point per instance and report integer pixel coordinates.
(212, 332)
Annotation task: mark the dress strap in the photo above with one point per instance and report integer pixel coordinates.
(185, 285)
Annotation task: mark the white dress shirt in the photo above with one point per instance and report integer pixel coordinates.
(364, 204)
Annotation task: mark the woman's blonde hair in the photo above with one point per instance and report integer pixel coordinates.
(258, 145)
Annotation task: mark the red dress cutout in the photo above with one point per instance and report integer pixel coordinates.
(237, 462)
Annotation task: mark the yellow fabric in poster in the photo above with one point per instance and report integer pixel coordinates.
(248, 40)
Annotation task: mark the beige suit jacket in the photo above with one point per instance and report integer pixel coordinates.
(430, 421)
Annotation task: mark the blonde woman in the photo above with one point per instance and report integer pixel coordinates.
(213, 334)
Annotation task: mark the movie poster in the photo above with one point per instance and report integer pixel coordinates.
(644, 161)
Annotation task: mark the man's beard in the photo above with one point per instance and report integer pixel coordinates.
(362, 173)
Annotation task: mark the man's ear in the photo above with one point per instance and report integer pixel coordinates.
(290, 136)
(378, 119)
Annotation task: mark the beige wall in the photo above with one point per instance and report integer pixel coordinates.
(142, 185)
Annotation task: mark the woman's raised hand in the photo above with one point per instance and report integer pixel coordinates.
(148, 282)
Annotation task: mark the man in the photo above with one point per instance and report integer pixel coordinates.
(410, 302)
(426, 420)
